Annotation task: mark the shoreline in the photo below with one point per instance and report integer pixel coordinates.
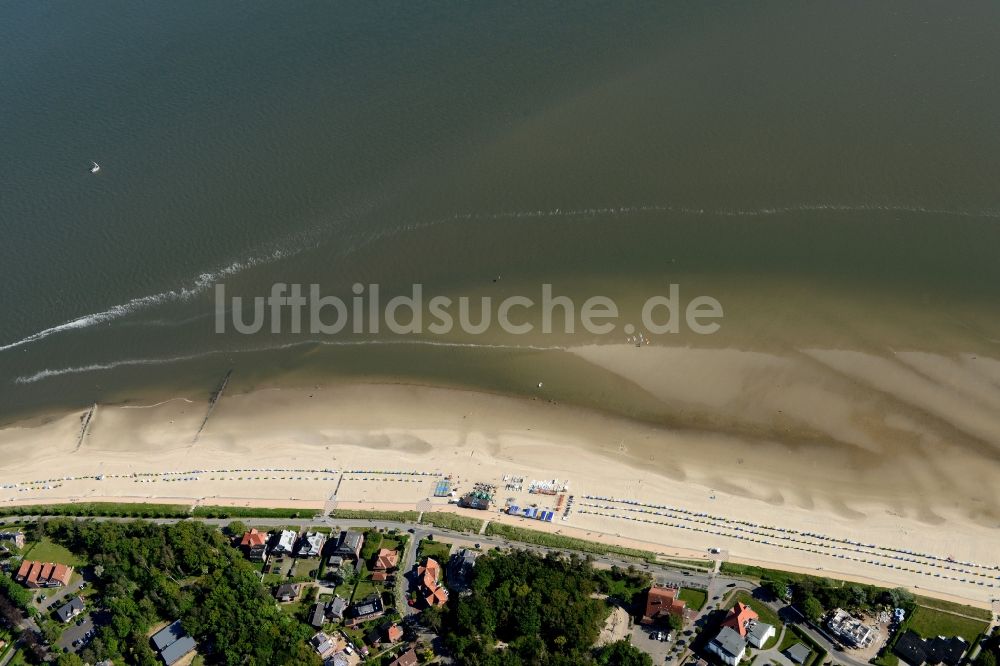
(296, 447)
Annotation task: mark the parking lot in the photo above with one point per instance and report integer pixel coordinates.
(657, 649)
(76, 633)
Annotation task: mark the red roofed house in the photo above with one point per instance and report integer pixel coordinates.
(739, 617)
(661, 602)
(255, 544)
(429, 573)
(394, 633)
(380, 576)
(60, 575)
(386, 559)
(22, 573)
(32, 579)
(43, 574)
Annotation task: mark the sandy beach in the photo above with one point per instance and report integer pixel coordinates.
(675, 492)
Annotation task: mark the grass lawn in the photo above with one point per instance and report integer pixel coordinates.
(452, 521)
(399, 516)
(887, 659)
(364, 590)
(356, 635)
(48, 551)
(291, 608)
(391, 543)
(549, 540)
(308, 566)
(952, 607)
(439, 551)
(763, 611)
(693, 598)
(703, 565)
(344, 590)
(788, 641)
(929, 623)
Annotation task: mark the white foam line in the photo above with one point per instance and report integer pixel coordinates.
(157, 404)
(97, 367)
(199, 285)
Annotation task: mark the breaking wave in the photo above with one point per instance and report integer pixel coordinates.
(199, 285)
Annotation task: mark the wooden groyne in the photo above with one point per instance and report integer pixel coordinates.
(85, 426)
(212, 402)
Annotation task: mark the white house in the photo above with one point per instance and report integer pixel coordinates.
(311, 544)
(758, 633)
(286, 543)
(728, 646)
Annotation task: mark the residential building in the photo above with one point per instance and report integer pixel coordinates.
(288, 592)
(70, 610)
(36, 574)
(914, 650)
(284, 543)
(661, 602)
(254, 544)
(368, 609)
(758, 633)
(338, 659)
(349, 545)
(318, 617)
(739, 619)
(374, 636)
(850, 630)
(728, 646)
(334, 562)
(460, 568)
(172, 643)
(311, 545)
(393, 633)
(408, 658)
(324, 645)
(385, 560)
(336, 608)
(429, 574)
(798, 653)
(13, 538)
(380, 576)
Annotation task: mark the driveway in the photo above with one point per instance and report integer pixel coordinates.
(60, 597)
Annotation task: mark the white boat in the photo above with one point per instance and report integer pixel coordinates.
(95, 167)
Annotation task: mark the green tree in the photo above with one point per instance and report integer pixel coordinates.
(69, 659)
(676, 622)
(433, 618)
(236, 528)
(986, 658)
(812, 609)
(622, 653)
